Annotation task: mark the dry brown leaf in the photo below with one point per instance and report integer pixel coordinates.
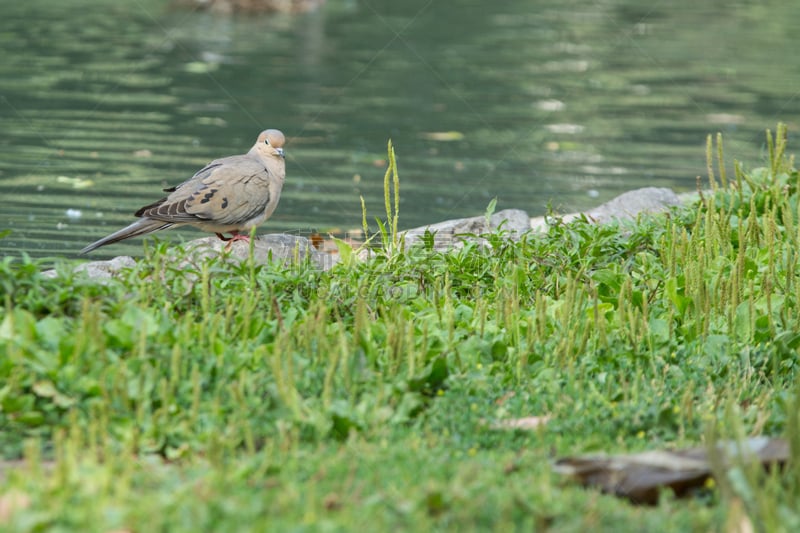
(317, 240)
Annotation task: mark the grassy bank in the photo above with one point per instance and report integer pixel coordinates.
(255, 398)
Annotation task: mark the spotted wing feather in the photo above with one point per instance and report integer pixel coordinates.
(228, 192)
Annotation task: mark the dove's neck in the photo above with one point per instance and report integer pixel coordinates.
(267, 160)
(256, 154)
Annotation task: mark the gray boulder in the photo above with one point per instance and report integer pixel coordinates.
(630, 204)
(276, 247)
(99, 270)
(626, 206)
(455, 232)
(281, 248)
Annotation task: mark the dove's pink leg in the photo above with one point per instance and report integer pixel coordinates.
(235, 236)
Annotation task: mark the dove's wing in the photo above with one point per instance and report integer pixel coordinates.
(228, 192)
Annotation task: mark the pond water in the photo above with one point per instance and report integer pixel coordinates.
(538, 103)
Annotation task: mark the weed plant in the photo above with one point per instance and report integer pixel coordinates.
(367, 398)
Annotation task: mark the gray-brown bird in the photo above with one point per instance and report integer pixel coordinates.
(229, 195)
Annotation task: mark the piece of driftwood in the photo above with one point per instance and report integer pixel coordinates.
(640, 477)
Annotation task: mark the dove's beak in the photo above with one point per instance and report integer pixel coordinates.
(280, 151)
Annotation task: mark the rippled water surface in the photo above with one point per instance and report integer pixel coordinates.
(568, 104)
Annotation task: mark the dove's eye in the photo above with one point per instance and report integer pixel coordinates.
(266, 141)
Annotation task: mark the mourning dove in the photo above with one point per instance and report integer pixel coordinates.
(229, 195)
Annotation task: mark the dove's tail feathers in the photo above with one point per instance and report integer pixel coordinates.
(138, 228)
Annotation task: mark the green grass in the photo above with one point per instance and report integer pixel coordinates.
(271, 398)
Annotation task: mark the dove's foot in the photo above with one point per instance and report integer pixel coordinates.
(235, 236)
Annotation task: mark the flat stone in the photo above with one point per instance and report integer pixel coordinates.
(99, 270)
(277, 247)
(281, 248)
(455, 232)
(626, 206)
(632, 203)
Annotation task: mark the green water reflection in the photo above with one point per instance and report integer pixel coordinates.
(569, 104)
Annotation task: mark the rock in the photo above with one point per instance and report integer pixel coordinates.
(276, 247)
(630, 204)
(99, 270)
(455, 232)
(626, 206)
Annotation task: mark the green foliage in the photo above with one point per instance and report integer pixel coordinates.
(217, 396)
(391, 187)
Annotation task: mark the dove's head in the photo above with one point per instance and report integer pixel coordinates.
(270, 144)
